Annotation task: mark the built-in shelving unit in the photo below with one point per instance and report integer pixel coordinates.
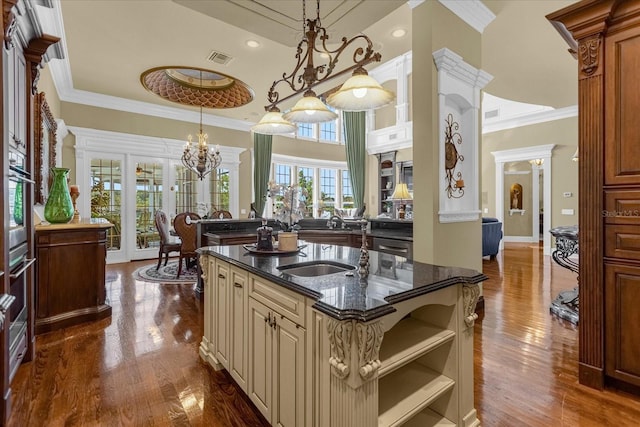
(387, 178)
(416, 378)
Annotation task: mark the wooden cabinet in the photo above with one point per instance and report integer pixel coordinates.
(608, 47)
(70, 269)
(277, 364)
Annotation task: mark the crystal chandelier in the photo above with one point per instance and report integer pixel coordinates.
(201, 159)
(360, 92)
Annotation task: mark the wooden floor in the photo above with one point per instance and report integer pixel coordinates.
(141, 367)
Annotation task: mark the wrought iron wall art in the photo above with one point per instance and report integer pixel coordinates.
(455, 183)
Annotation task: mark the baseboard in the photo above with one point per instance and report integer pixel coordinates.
(591, 376)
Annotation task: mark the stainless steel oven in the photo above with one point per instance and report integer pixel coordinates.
(19, 266)
(20, 183)
(20, 192)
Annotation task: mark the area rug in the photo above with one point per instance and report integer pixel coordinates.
(166, 274)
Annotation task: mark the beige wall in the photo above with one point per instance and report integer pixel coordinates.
(457, 244)
(564, 171)
(45, 84)
(386, 116)
(139, 124)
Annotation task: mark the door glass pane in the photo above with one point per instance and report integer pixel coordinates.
(220, 190)
(148, 201)
(185, 190)
(106, 197)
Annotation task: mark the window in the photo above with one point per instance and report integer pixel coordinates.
(148, 201)
(306, 130)
(347, 191)
(305, 180)
(328, 129)
(186, 192)
(220, 190)
(283, 175)
(327, 192)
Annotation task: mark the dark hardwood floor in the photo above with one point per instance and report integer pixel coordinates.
(142, 368)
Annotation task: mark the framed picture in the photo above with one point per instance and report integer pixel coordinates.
(45, 147)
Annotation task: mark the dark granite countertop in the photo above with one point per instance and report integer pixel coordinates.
(392, 279)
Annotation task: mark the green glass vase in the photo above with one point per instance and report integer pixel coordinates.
(18, 213)
(59, 206)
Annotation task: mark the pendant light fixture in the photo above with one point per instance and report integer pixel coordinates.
(360, 92)
(200, 159)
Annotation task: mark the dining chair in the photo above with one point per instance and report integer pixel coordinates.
(185, 225)
(221, 214)
(168, 243)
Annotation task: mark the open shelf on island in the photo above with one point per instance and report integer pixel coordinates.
(408, 340)
(428, 418)
(408, 391)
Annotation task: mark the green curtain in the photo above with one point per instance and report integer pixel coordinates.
(262, 156)
(354, 132)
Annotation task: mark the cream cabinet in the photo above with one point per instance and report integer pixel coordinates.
(238, 328)
(277, 365)
(221, 312)
(303, 367)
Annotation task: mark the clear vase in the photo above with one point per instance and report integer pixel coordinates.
(59, 206)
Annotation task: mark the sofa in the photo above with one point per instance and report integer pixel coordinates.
(491, 236)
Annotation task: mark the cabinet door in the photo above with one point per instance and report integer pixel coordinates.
(221, 313)
(238, 340)
(260, 357)
(288, 374)
(622, 296)
(208, 263)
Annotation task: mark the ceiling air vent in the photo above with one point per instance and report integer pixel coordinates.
(491, 114)
(219, 57)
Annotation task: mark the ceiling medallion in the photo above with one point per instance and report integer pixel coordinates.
(184, 86)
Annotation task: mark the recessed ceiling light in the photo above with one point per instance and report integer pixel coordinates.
(400, 32)
(253, 43)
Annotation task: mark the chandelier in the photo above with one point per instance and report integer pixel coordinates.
(201, 159)
(360, 92)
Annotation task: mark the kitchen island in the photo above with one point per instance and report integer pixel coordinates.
(314, 344)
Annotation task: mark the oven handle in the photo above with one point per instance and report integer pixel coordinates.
(26, 265)
(393, 248)
(22, 178)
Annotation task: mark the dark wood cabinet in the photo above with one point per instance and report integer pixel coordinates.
(70, 269)
(607, 36)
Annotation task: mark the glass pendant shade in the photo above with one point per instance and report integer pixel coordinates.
(360, 92)
(273, 123)
(310, 110)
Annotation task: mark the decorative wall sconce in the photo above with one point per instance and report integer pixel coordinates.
(537, 162)
(575, 156)
(455, 183)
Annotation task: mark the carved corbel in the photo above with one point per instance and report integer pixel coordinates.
(589, 54)
(340, 340)
(9, 20)
(470, 295)
(203, 260)
(369, 341)
(34, 53)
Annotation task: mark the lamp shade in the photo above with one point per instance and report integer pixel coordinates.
(360, 92)
(273, 123)
(310, 110)
(401, 192)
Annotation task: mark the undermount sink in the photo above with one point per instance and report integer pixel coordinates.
(315, 268)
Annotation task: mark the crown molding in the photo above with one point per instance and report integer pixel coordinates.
(61, 74)
(531, 119)
(473, 12)
(415, 3)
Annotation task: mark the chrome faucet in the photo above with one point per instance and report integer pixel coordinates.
(333, 220)
(363, 262)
